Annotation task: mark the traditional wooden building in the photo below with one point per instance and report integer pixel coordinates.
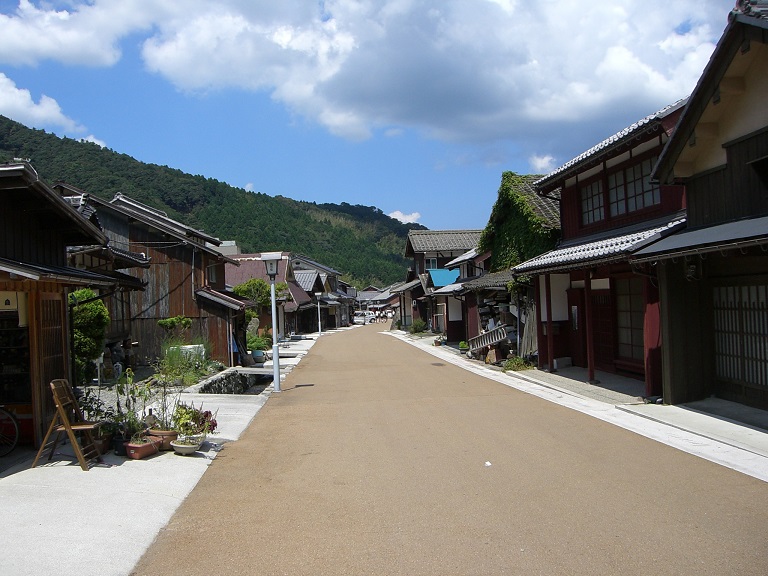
(185, 276)
(429, 250)
(36, 227)
(251, 266)
(594, 310)
(713, 276)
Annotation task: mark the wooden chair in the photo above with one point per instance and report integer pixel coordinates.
(69, 420)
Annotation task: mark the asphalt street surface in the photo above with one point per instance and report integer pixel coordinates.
(377, 458)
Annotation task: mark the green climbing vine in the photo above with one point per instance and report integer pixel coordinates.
(515, 233)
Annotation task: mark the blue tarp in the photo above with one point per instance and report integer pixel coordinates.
(441, 277)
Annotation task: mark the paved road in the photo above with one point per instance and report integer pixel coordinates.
(379, 459)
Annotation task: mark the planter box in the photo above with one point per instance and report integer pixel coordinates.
(139, 451)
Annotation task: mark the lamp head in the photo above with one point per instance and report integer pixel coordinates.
(271, 259)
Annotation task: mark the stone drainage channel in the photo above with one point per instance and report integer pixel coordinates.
(234, 381)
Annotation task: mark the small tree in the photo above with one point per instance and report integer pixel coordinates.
(175, 327)
(90, 319)
(257, 290)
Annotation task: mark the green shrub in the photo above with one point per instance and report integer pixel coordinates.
(418, 326)
(516, 364)
(256, 342)
(89, 323)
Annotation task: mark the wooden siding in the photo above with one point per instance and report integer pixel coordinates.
(172, 278)
(733, 191)
(26, 235)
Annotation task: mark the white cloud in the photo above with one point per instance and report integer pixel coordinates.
(542, 164)
(93, 139)
(18, 104)
(486, 71)
(250, 187)
(411, 218)
(87, 34)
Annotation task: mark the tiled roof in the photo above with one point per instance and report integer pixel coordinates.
(547, 208)
(306, 279)
(755, 8)
(624, 135)
(613, 248)
(443, 240)
(492, 280)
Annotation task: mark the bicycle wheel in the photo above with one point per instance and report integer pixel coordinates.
(9, 432)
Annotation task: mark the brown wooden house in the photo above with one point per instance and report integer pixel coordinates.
(37, 226)
(713, 276)
(593, 309)
(185, 277)
(430, 250)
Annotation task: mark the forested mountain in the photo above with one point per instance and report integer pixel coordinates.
(360, 241)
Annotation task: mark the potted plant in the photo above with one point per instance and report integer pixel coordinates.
(129, 410)
(142, 445)
(193, 424)
(463, 347)
(95, 410)
(258, 346)
(160, 422)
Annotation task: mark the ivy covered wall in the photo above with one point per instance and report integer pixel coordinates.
(522, 224)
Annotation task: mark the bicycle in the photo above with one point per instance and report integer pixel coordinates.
(9, 432)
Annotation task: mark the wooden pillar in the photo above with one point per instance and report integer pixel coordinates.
(588, 322)
(550, 324)
(539, 321)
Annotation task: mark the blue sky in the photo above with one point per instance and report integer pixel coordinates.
(415, 107)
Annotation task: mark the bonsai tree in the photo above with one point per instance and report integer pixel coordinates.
(90, 319)
(175, 327)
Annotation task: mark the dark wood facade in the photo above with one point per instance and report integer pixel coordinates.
(36, 227)
(181, 263)
(713, 276)
(594, 309)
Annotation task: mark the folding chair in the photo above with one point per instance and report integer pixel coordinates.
(69, 420)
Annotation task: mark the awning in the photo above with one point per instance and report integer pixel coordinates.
(59, 274)
(614, 246)
(449, 290)
(407, 286)
(738, 234)
(222, 299)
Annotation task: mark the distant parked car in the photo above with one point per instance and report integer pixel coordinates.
(363, 317)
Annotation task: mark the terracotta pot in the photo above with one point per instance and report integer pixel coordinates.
(164, 437)
(103, 443)
(139, 451)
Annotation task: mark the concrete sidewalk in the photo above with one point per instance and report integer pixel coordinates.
(724, 432)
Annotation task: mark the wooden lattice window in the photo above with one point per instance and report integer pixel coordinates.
(741, 333)
(631, 189)
(629, 321)
(592, 203)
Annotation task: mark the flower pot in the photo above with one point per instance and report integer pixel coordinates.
(184, 448)
(164, 437)
(118, 445)
(259, 356)
(103, 443)
(138, 451)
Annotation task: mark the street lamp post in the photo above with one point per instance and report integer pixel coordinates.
(319, 325)
(271, 260)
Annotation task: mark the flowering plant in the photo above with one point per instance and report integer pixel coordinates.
(192, 421)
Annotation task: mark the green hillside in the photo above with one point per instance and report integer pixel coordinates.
(360, 241)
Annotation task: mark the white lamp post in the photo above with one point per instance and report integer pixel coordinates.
(319, 326)
(271, 260)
